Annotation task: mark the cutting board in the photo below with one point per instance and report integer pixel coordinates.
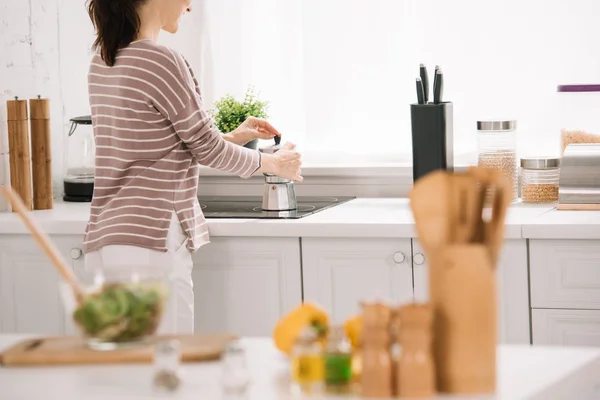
(69, 350)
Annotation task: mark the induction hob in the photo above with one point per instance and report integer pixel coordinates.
(250, 207)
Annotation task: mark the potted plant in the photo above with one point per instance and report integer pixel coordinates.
(229, 113)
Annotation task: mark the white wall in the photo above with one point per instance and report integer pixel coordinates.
(45, 47)
(339, 73)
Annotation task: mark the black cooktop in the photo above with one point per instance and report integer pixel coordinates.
(250, 207)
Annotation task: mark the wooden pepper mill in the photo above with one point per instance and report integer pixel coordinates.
(415, 373)
(18, 145)
(376, 377)
(41, 153)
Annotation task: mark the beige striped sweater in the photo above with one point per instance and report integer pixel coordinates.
(151, 133)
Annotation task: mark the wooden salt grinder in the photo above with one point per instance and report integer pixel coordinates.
(41, 150)
(376, 377)
(18, 146)
(415, 375)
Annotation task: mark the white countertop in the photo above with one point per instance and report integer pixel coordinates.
(357, 218)
(524, 372)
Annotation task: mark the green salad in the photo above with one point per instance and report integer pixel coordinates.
(122, 312)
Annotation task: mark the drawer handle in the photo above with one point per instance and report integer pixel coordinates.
(76, 254)
(419, 259)
(399, 257)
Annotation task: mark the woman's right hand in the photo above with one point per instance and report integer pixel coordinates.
(285, 163)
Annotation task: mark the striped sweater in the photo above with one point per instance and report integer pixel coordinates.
(151, 133)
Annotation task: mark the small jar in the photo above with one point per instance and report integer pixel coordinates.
(497, 149)
(539, 179)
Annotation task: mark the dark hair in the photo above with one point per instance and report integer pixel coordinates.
(117, 24)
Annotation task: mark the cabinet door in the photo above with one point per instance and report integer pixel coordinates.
(29, 292)
(339, 273)
(513, 293)
(566, 327)
(565, 274)
(245, 285)
(512, 289)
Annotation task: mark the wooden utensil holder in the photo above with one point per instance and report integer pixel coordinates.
(463, 296)
(41, 159)
(19, 155)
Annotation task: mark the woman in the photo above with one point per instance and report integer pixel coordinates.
(151, 135)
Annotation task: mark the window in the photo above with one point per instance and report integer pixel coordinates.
(340, 74)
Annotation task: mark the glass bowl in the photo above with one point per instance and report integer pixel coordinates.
(120, 308)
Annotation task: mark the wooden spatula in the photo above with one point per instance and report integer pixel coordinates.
(43, 241)
(431, 209)
(465, 212)
(493, 230)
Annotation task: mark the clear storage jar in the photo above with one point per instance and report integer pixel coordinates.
(539, 179)
(578, 114)
(497, 149)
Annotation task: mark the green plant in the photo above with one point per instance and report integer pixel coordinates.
(229, 113)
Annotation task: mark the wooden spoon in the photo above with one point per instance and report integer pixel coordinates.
(44, 242)
(493, 231)
(431, 209)
(465, 214)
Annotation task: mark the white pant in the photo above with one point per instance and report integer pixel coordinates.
(179, 313)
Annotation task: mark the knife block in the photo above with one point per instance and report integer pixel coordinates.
(432, 130)
(463, 297)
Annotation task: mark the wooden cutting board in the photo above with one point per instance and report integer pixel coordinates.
(70, 350)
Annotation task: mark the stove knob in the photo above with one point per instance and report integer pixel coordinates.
(399, 257)
(76, 254)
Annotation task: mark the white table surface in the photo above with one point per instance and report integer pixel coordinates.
(523, 373)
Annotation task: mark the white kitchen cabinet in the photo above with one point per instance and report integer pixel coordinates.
(244, 285)
(338, 273)
(566, 327)
(512, 289)
(29, 292)
(565, 274)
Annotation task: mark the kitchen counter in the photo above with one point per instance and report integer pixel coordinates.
(381, 217)
(523, 373)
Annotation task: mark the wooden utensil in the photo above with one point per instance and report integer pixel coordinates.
(70, 350)
(43, 241)
(465, 214)
(493, 230)
(463, 296)
(431, 210)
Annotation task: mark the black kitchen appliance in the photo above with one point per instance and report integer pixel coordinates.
(79, 177)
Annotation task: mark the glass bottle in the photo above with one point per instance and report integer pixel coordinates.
(307, 363)
(338, 363)
(167, 359)
(235, 377)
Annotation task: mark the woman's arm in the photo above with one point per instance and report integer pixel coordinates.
(196, 129)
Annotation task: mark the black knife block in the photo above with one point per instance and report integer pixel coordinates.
(432, 138)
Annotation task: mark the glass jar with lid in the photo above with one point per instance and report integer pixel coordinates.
(497, 149)
(80, 161)
(539, 179)
(578, 114)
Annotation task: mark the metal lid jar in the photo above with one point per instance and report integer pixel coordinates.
(497, 149)
(539, 179)
(578, 114)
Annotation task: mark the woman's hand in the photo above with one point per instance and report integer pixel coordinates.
(285, 163)
(252, 128)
